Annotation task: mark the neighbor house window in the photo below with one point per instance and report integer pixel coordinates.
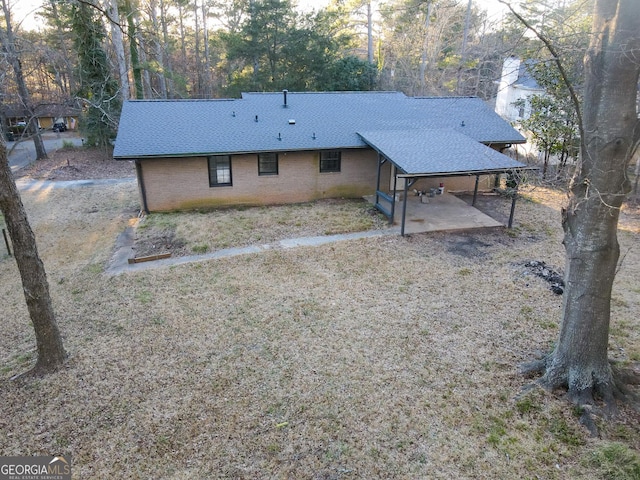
(329, 161)
(219, 170)
(267, 164)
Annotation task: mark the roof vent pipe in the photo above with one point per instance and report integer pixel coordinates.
(256, 118)
(284, 94)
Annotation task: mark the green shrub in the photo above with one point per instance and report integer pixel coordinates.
(200, 248)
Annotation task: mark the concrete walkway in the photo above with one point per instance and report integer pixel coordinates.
(124, 250)
(41, 185)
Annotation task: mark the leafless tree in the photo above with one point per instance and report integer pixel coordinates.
(51, 353)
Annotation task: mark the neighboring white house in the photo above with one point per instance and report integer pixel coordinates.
(515, 84)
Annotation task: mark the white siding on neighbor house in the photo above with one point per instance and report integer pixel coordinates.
(510, 91)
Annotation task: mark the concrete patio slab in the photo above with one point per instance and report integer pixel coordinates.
(441, 213)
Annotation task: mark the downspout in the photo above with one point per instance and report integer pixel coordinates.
(395, 189)
(513, 205)
(475, 191)
(378, 178)
(404, 205)
(143, 190)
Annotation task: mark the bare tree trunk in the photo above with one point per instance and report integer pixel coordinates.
(207, 60)
(369, 34)
(423, 61)
(166, 66)
(118, 45)
(637, 174)
(610, 128)
(132, 32)
(8, 42)
(545, 165)
(162, 84)
(146, 77)
(463, 49)
(198, 85)
(51, 352)
(183, 35)
(69, 84)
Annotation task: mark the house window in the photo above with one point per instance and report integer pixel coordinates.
(219, 170)
(329, 161)
(267, 164)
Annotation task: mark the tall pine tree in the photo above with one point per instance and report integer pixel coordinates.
(98, 89)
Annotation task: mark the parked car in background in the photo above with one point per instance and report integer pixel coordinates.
(18, 129)
(59, 127)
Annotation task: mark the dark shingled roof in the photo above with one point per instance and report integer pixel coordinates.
(310, 121)
(437, 151)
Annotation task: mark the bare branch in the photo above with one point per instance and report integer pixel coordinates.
(106, 116)
(103, 12)
(557, 61)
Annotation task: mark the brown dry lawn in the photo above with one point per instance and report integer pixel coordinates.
(380, 358)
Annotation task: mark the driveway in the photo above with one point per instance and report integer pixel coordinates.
(24, 152)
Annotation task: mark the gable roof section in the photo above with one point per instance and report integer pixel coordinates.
(309, 121)
(525, 79)
(433, 152)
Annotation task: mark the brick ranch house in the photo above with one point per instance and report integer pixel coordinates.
(285, 147)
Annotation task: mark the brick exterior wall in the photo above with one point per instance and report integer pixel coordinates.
(183, 183)
(452, 183)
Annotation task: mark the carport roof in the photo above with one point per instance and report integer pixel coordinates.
(437, 152)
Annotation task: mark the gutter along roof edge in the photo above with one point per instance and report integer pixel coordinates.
(248, 152)
(460, 173)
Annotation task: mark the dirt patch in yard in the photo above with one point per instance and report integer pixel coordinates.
(158, 241)
(78, 163)
(466, 245)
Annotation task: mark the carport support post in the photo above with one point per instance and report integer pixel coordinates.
(404, 205)
(475, 191)
(514, 197)
(380, 162)
(395, 187)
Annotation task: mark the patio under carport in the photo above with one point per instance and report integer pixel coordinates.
(435, 153)
(442, 213)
